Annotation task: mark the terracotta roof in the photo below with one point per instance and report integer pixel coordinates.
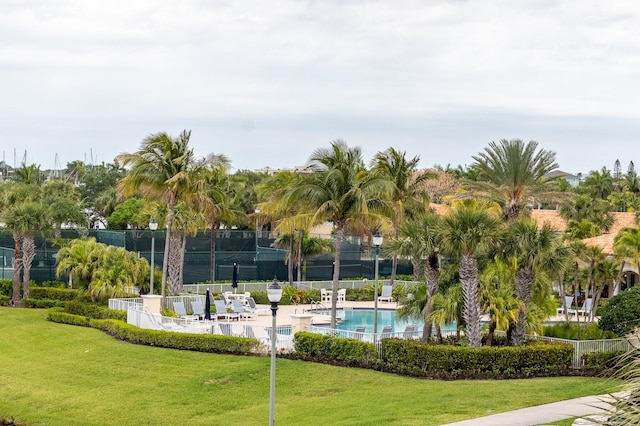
(605, 241)
(552, 217)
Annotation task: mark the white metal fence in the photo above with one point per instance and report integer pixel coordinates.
(305, 285)
(582, 347)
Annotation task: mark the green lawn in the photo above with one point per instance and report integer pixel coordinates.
(58, 374)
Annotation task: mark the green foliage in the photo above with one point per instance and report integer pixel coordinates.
(573, 331)
(4, 300)
(622, 313)
(6, 287)
(411, 357)
(600, 361)
(348, 352)
(54, 293)
(184, 341)
(294, 295)
(94, 311)
(41, 303)
(127, 213)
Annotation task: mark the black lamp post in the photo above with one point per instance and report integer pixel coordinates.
(377, 241)
(274, 292)
(153, 225)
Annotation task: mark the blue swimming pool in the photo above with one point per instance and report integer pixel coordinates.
(352, 318)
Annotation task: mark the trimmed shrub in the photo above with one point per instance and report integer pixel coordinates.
(54, 293)
(185, 341)
(6, 287)
(4, 300)
(41, 303)
(94, 311)
(602, 361)
(348, 352)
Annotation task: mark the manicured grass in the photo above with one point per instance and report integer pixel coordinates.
(58, 374)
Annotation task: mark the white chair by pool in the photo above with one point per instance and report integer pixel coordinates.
(386, 295)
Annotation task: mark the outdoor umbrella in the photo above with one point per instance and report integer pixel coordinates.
(234, 277)
(207, 306)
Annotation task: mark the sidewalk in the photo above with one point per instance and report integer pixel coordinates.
(541, 414)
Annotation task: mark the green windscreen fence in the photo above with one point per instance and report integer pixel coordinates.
(254, 253)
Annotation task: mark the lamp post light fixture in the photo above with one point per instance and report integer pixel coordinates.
(274, 293)
(377, 241)
(153, 225)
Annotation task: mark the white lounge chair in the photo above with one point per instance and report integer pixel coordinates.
(325, 296)
(359, 332)
(342, 295)
(568, 302)
(221, 311)
(180, 310)
(254, 308)
(386, 295)
(409, 332)
(238, 308)
(198, 310)
(584, 310)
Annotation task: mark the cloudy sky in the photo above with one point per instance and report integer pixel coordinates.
(268, 82)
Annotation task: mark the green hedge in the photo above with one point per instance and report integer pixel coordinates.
(41, 303)
(349, 352)
(411, 357)
(94, 311)
(4, 300)
(185, 341)
(602, 361)
(53, 293)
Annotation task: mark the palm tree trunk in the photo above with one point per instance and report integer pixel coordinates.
(28, 254)
(524, 283)
(471, 307)
(299, 254)
(492, 330)
(432, 275)
(167, 243)
(336, 273)
(183, 249)
(291, 261)
(616, 287)
(174, 264)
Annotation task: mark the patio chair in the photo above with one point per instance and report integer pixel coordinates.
(180, 310)
(325, 296)
(224, 299)
(409, 332)
(568, 301)
(359, 332)
(254, 308)
(248, 331)
(386, 332)
(584, 310)
(238, 308)
(198, 310)
(221, 311)
(342, 295)
(226, 328)
(386, 295)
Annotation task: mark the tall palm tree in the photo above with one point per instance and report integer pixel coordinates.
(408, 194)
(534, 250)
(80, 258)
(418, 240)
(162, 168)
(468, 231)
(339, 190)
(513, 173)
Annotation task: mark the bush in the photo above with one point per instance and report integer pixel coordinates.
(411, 357)
(54, 293)
(622, 313)
(94, 311)
(348, 352)
(41, 303)
(184, 341)
(573, 331)
(602, 361)
(6, 287)
(4, 300)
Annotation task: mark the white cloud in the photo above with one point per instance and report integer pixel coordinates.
(287, 76)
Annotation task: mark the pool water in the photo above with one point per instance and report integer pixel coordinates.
(352, 318)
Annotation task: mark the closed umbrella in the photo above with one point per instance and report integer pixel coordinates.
(207, 306)
(234, 277)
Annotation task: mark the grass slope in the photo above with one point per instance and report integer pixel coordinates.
(58, 374)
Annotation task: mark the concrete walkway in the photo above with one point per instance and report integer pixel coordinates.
(541, 414)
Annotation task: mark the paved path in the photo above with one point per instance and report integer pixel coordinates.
(542, 414)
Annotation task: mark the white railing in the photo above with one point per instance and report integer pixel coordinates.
(582, 347)
(123, 304)
(284, 337)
